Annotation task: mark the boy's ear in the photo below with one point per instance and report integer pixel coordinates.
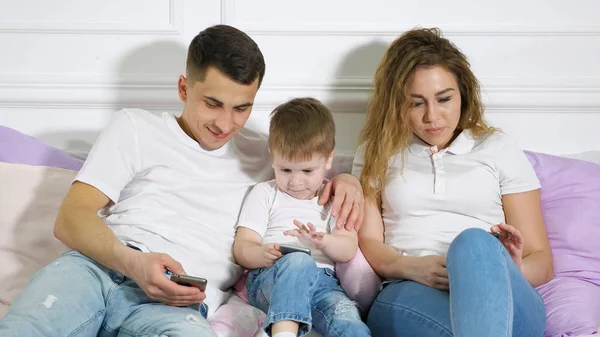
(329, 160)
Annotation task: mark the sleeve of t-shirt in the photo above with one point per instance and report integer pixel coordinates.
(515, 171)
(256, 209)
(114, 159)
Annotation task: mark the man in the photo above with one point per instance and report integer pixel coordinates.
(170, 190)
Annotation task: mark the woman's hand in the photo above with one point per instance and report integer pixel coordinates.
(512, 240)
(431, 271)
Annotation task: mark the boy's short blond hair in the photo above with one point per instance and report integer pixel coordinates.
(300, 129)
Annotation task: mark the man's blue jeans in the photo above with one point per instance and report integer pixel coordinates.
(489, 297)
(295, 289)
(75, 296)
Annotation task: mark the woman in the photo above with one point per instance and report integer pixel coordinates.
(438, 182)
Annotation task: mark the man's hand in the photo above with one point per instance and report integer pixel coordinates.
(271, 254)
(348, 204)
(148, 271)
(307, 235)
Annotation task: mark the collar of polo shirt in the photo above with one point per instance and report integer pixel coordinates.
(463, 144)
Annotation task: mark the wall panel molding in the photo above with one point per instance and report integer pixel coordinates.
(389, 29)
(342, 95)
(173, 27)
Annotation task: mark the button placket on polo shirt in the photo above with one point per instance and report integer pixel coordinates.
(439, 173)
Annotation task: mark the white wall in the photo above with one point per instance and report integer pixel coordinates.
(66, 65)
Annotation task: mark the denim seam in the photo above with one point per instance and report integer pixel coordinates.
(109, 294)
(416, 313)
(509, 314)
(326, 320)
(288, 316)
(132, 333)
(86, 323)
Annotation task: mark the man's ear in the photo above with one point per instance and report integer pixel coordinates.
(182, 87)
(329, 160)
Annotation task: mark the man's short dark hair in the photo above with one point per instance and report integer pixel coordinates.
(227, 49)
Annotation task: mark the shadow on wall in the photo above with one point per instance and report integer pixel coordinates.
(145, 77)
(349, 97)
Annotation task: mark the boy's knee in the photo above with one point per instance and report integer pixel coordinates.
(300, 262)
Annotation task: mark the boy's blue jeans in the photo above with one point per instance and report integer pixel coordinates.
(489, 297)
(75, 296)
(295, 289)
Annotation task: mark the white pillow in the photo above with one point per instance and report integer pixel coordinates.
(591, 156)
(29, 200)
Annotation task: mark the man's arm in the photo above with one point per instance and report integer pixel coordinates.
(80, 228)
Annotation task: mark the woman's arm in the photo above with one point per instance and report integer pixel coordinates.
(385, 260)
(524, 212)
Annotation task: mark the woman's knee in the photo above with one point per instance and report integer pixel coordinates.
(471, 241)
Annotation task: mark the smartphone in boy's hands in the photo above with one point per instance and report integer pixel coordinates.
(287, 249)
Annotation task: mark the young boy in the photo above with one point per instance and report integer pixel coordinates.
(297, 290)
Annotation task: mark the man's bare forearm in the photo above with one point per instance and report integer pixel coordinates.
(84, 231)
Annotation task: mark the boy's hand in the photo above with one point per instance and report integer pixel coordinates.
(307, 235)
(271, 254)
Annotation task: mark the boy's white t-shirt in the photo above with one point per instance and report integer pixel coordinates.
(171, 196)
(269, 212)
(438, 195)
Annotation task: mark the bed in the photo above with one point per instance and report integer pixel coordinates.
(34, 177)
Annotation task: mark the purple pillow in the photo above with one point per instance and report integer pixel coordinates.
(570, 196)
(19, 148)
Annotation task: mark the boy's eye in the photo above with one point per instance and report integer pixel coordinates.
(286, 170)
(307, 171)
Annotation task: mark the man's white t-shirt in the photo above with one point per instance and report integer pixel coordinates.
(438, 195)
(171, 196)
(269, 212)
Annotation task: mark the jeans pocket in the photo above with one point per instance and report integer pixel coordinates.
(331, 275)
(250, 278)
(260, 301)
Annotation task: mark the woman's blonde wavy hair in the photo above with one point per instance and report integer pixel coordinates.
(387, 131)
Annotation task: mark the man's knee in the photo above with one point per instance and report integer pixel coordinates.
(192, 325)
(162, 320)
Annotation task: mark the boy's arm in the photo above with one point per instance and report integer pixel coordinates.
(340, 245)
(249, 253)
